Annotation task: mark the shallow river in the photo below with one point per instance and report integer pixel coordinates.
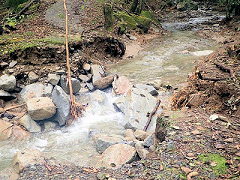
(168, 59)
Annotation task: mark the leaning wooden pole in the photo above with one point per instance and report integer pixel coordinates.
(76, 109)
(67, 54)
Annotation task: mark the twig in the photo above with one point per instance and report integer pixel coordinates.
(13, 107)
(229, 70)
(47, 166)
(152, 114)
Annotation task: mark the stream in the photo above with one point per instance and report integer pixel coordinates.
(168, 59)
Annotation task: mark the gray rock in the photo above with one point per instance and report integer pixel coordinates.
(7, 83)
(104, 82)
(41, 108)
(62, 102)
(136, 105)
(60, 72)
(149, 141)
(117, 155)
(12, 64)
(53, 79)
(33, 77)
(35, 90)
(103, 141)
(140, 134)
(25, 158)
(6, 96)
(90, 86)
(129, 126)
(129, 135)
(31, 126)
(147, 88)
(97, 72)
(142, 152)
(84, 78)
(76, 85)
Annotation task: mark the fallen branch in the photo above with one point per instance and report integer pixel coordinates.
(229, 70)
(152, 114)
(13, 107)
(212, 79)
(47, 166)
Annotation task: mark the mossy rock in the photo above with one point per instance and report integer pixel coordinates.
(150, 15)
(125, 18)
(143, 23)
(132, 22)
(219, 163)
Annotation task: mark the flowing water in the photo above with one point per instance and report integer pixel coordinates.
(168, 59)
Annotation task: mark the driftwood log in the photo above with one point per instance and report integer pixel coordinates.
(152, 114)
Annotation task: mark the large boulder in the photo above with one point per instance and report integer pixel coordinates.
(25, 158)
(76, 85)
(30, 125)
(136, 105)
(117, 155)
(103, 141)
(41, 108)
(5, 130)
(7, 82)
(62, 102)
(121, 85)
(35, 90)
(104, 82)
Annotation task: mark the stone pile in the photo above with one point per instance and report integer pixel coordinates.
(117, 150)
(48, 106)
(48, 102)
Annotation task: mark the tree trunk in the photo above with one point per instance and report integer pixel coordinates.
(108, 16)
(134, 6)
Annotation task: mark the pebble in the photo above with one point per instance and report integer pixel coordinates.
(196, 132)
(186, 170)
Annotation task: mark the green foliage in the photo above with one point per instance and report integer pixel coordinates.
(219, 163)
(14, 3)
(60, 16)
(150, 15)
